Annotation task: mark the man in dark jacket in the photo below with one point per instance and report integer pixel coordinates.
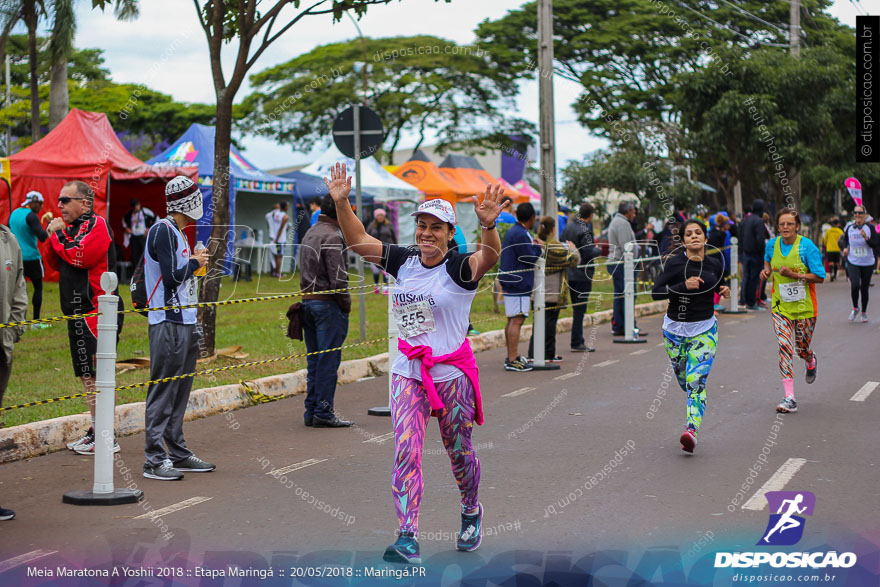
(519, 252)
(323, 267)
(580, 278)
(753, 239)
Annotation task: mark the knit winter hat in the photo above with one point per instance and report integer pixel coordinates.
(182, 195)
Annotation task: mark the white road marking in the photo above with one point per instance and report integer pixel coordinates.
(518, 392)
(862, 394)
(641, 352)
(661, 344)
(728, 323)
(775, 483)
(172, 508)
(23, 559)
(380, 439)
(566, 376)
(606, 363)
(295, 467)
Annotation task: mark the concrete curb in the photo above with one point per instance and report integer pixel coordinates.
(38, 438)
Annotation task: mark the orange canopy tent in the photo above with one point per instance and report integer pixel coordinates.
(468, 172)
(427, 177)
(85, 147)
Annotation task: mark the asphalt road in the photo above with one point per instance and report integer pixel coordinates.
(578, 475)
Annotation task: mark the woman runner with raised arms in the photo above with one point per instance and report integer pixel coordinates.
(435, 372)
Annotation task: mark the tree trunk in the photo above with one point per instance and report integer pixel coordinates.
(220, 223)
(30, 18)
(58, 97)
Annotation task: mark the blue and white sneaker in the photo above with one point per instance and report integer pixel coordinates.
(471, 535)
(405, 550)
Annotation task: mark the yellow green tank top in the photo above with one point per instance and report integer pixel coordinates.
(792, 298)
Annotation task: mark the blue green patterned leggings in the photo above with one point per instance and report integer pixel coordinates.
(692, 358)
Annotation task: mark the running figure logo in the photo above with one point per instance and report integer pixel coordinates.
(786, 526)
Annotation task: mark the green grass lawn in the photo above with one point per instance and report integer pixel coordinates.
(42, 365)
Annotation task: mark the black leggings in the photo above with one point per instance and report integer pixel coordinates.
(33, 270)
(859, 281)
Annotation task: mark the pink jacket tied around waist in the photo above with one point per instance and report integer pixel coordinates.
(463, 358)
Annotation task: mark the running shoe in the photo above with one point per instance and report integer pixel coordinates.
(89, 437)
(582, 348)
(764, 304)
(472, 331)
(471, 535)
(88, 448)
(719, 308)
(811, 373)
(6, 514)
(164, 472)
(787, 406)
(556, 359)
(688, 441)
(854, 314)
(194, 464)
(405, 550)
(864, 318)
(516, 365)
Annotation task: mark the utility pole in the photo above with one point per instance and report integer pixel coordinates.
(794, 43)
(794, 28)
(545, 92)
(8, 103)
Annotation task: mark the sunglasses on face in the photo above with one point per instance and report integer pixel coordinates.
(859, 213)
(66, 199)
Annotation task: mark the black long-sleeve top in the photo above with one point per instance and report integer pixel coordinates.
(689, 305)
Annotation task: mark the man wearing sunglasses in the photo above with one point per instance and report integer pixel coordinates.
(81, 250)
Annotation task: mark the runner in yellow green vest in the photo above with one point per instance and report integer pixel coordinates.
(796, 266)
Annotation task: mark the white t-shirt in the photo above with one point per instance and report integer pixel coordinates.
(860, 251)
(432, 304)
(275, 218)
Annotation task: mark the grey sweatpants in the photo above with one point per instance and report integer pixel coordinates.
(174, 349)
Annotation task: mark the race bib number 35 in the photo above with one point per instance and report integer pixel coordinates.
(415, 318)
(793, 291)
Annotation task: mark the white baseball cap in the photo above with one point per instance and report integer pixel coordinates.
(32, 196)
(437, 208)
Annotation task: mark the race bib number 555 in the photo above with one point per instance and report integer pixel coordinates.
(415, 318)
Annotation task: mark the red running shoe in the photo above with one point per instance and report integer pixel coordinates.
(688, 441)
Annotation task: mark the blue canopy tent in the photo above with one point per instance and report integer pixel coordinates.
(252, 192)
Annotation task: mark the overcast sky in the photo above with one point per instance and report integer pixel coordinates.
(166, 50)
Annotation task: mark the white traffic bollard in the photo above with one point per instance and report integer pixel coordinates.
(539, 326)
(103, 492)
(630, 333)
(392, 349)
(734, 279)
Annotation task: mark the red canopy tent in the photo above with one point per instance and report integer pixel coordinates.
(85, 147)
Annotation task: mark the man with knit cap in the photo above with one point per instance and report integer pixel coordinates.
(169, 280)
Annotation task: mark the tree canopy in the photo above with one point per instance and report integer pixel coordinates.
(416, 85)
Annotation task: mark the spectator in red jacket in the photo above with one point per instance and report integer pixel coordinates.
(81, 250)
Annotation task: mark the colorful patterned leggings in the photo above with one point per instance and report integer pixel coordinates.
(692, 358)
(790, 334)
(410, 412)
